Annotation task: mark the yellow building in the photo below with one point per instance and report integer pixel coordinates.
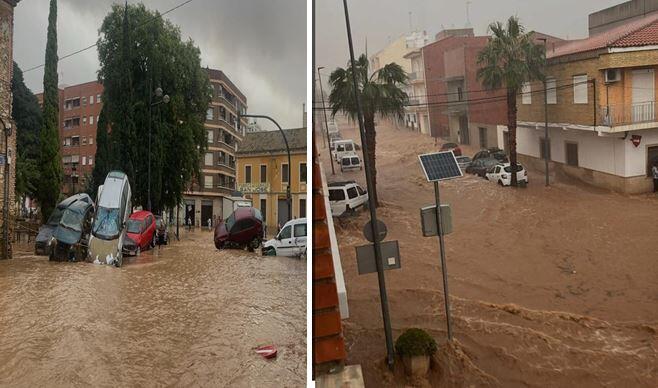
(263, 174)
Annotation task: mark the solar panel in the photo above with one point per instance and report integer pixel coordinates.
(439, 166)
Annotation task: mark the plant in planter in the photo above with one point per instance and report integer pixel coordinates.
(415, 346)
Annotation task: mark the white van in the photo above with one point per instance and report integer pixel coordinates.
(291, 240)
(350, 162)
(345, 197)
(113, 208)
(343, 147)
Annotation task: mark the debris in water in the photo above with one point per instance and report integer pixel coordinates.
(97, 261)
(268, 351)
(109, 259)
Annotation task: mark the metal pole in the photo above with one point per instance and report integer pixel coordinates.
(444, 269)
(326, 125)
(5, 211)
(371, 202)
(546, 141)
(285, 140)
(177, 221)
(149, 167)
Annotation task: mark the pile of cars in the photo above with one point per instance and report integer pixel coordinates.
(491, 164)
(79, 229)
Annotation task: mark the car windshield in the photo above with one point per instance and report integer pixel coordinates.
(107, 223)
(230, 221)
(518, 168)
(345, 161)
(55, 216)
(71, 220)
(133, 226)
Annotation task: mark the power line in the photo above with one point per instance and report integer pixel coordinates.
(96, 44)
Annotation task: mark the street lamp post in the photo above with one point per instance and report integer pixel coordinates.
(165, 99)
(285, 140)
(326, 125)
(546, 143)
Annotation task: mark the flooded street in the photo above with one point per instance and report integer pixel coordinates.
(549, 286)
(184, 315)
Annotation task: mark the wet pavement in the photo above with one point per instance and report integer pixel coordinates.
(182, 315)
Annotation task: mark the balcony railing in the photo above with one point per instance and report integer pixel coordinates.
(624, 114)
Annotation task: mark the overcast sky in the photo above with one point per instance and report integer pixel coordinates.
(382, 20)
(259, 44)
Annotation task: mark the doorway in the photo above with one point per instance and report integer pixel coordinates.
(643, 96)
(206, 212)
(282, 216)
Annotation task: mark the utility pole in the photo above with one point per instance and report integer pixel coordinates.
(326, 124)
(547, 147)
(5, 207)
(390, 354)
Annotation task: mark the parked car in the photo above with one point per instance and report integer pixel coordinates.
(343, 147)
(492, 152)
(345, 197)
(161, 232)
(71, 237)
(463, 162)
(243, 228)
(44, 241)
(140, 233)
(454, 147)
(481, 166)
(502, 174)
(350, 162)
(113, 207)
(291, 240)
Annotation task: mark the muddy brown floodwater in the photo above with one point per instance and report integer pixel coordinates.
(550, 287)
(185, 315)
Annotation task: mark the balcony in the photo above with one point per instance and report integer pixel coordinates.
(416, 76)
(627, 114)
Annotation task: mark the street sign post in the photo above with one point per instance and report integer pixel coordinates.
(428, 220)
(437, 167)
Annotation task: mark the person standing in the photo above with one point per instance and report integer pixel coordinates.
(654, 172)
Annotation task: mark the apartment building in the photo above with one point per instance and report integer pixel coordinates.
(79, 108)
(416, 113)
(264, 175)
(601, 102)
(211, 198)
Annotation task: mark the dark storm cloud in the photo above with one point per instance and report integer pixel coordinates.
(381, 20)
(259, 44)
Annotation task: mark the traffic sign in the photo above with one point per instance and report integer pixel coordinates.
(381, 230)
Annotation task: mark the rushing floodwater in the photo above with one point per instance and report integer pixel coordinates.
(183, 315)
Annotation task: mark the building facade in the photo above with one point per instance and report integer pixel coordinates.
(601, 103)
(211, 198)
(8, 136)
(264, 175)
(416, 113)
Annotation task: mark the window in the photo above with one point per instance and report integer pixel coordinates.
(263, 173)
(580, 89)
(210, 113)
(300, 229)
(91, 100)
(98, 98)
(84, 101)
(210, 133)
(71, 123)
(91, 120)
(247, 174)
(572, 153)
(84, 140)
(84, 120)
(526, 96)
(551, 91)
(285, 172)
(91, 140)
(302, 172)
(302, 213)
(75, 141)
(207, 181)
(542, 149)
(91, 160)
(208, 159)
(351, 193)
(263, 209)
(336, 195)
(360, 190)
(285, 232)
(72, 103)
(84, 160)
(67, 141)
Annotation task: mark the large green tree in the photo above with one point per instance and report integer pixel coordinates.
(382, 93)
(509, 59)
(26, 113)
(139, 51)
(50, 162)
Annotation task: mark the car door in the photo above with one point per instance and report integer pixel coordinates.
(493, 176)
(353, 197)
(286, 246)
(299, 238)
(337, 201)
(363, 195)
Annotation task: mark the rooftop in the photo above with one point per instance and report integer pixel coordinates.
(272, 142)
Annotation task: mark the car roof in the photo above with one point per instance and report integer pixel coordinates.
(340, 183)
(296, 221)
(344, 141)
(243, 212)
(79, 206)
(140, 215)
(83, 197)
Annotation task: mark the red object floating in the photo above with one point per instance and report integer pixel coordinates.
(268, 351)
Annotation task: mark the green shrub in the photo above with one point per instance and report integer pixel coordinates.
(415, 342)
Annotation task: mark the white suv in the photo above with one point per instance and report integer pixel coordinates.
(345, 197)
(291, 240)
(502, 174)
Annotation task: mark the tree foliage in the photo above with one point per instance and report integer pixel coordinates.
(509, 59)
(382, 93)
(50, 162)
(26, 113)
(139, 51)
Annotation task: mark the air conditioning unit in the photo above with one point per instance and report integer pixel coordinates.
(612, 75)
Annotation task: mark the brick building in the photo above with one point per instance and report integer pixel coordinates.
(8, 135)
(601, 108)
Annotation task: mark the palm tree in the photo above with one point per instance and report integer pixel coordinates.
(381, 92)
(510, 59)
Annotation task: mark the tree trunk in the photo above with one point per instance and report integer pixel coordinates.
(369, 123)
(511, 126)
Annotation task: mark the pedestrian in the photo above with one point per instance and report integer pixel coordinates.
(188, 222)
(654, 172)
(209, 224)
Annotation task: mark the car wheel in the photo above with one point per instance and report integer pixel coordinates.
(255, 243)
(119, 260)
(500, 183)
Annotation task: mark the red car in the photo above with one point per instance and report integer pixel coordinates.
(140, 232)
(243, 228)
(452, 146)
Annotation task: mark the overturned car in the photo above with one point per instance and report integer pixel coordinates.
(71, 238)
(45, 240)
